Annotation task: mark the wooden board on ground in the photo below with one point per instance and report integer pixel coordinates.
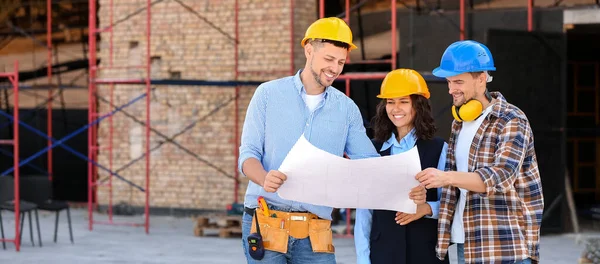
(223, 232)
(223, 226)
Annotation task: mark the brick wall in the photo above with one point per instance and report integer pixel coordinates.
(184, 44)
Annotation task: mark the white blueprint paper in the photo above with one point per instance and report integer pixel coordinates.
(317, 177)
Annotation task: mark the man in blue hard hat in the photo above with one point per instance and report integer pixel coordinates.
(492, 202)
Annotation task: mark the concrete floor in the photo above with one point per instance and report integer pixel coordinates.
(171, 240)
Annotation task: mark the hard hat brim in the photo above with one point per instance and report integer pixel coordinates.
(398, 95)
(439, 72)
(351, 45)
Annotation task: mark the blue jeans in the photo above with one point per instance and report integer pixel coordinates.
(460, 252)
(299, 250)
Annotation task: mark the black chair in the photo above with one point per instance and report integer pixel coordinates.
(7, 196)
(38, 190)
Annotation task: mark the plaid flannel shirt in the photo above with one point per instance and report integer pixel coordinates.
(503, 224)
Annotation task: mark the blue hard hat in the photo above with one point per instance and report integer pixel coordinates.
(465, 56)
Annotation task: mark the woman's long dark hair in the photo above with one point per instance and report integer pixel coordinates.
(423, 122)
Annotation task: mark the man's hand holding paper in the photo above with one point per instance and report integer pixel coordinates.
(273, 180)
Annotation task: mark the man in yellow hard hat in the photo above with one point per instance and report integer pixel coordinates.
(281, 111)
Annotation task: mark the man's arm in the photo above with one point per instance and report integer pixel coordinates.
(252, 145)
(466, 180)
(252, 138)
(510, 151)
(434, 178)
(254, 170)
(358, 144)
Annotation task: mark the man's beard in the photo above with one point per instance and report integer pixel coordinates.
(461, 102)
(316, 76)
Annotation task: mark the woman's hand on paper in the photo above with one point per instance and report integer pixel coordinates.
(405, 219)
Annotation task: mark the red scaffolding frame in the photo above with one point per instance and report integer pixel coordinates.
(50, 90)
(49, 73)
(93, 182)
(13, 77)
(94, 115)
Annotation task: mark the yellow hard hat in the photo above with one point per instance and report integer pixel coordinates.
(403, 82)
(331, 28)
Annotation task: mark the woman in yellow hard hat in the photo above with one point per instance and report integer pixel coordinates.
(403, 121)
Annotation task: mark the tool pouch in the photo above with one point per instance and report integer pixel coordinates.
(298, 229)
(321, 236)
(274, 237)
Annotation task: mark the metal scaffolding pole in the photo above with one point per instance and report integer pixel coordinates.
(50, 90)
(13, 77)
(529, 15)
(93, 114)
(236, 110)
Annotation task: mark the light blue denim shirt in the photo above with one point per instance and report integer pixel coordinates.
(364, 217)
(277, 116)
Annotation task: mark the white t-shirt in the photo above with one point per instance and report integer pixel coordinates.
(312, 101)
(461, 153)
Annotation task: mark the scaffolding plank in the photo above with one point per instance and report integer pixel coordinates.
(119, 67)
(120, 81)
(6, 141)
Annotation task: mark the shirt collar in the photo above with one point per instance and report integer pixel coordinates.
(407, 142)
(500, 104)
(300, 86)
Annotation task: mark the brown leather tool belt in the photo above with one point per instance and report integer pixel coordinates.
(276, 229)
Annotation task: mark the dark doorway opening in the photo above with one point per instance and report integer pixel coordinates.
(583, 120)
(70, 171)
(531, 75)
